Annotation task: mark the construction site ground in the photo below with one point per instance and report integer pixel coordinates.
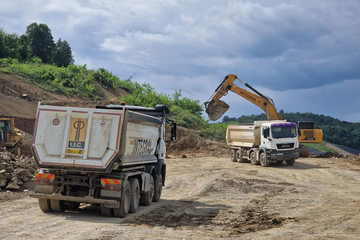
(206, 196)
(212, 198)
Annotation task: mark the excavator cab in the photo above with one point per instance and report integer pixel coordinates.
(9, 138)
(3, 131)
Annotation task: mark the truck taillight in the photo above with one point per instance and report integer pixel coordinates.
(112, 187)
(41, 181)
(111, 184)
(44, 178)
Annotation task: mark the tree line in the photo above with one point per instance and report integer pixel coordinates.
(36, 42)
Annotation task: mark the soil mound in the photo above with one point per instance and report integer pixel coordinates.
(188, 143)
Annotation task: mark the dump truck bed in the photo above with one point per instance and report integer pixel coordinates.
(94, 139)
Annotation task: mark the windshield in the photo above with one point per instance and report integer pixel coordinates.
(283, 130)
(2, 131)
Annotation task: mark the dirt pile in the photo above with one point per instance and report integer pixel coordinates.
(188, 143)
(16, 173)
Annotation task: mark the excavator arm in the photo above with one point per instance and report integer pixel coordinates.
(215, 108)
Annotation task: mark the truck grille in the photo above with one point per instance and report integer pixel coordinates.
(285, 145)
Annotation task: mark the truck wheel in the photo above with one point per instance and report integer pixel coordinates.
(253, 159)
(158, 190)
(135, 194)
(44, 205)
(263, 161)
(239, 156)
(107, 211)
(233, 155)
(146, 198)
(123, 210)
(57, 205)
(290, 162)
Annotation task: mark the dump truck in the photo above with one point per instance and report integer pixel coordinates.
(10, 138)
(109, 156)
(215, 108)
(263, 142)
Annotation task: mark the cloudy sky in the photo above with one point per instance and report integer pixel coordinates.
(304, 54)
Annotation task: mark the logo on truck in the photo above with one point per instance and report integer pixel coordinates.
(142, 146)
(77, 133)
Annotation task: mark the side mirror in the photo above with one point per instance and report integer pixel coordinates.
(299, 132)
(173, 130)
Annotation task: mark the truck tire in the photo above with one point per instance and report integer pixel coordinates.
(135, 194)
(239, 156)
(304, 151)
(290, 162)
(253, 159)
(107, 211)
(57, 205)
(158, 190)
(263, 160)
(146, 198)
(124, 207)
(233, 155)
(45, 205)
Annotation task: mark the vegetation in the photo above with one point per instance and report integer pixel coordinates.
(320, 146)
(36, 42)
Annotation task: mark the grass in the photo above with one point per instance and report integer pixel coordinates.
(320, 146)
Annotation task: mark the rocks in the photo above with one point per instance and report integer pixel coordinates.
(16, 173)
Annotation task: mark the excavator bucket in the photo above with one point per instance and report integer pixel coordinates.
(216, 109)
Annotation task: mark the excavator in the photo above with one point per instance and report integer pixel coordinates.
(10, 139)
(215, 108)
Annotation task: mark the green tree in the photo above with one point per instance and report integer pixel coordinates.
(63, 55)
(24, 48)
(42, 43)
(4, 48)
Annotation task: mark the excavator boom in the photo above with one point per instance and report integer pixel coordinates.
(215, 108)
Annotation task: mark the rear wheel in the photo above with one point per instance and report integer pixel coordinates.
(135, 194)
(45, 205)
(239, 156)
(107, 211)
(253, 159)
(158, 189)
(233, 155)
(263, 160)
(57, 205)
(146, 198)
(124, 207)
(290, 162)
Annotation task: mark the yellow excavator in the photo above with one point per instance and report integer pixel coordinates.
(215, 108)
(9, 137)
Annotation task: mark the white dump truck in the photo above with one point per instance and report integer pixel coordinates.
(263, 142)
(112, 157)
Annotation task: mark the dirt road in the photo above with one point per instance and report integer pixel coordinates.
(212, 198)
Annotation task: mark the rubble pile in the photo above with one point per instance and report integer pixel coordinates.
(16, 173)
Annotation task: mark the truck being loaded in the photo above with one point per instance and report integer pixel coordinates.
(263, 142)
(109, 156)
